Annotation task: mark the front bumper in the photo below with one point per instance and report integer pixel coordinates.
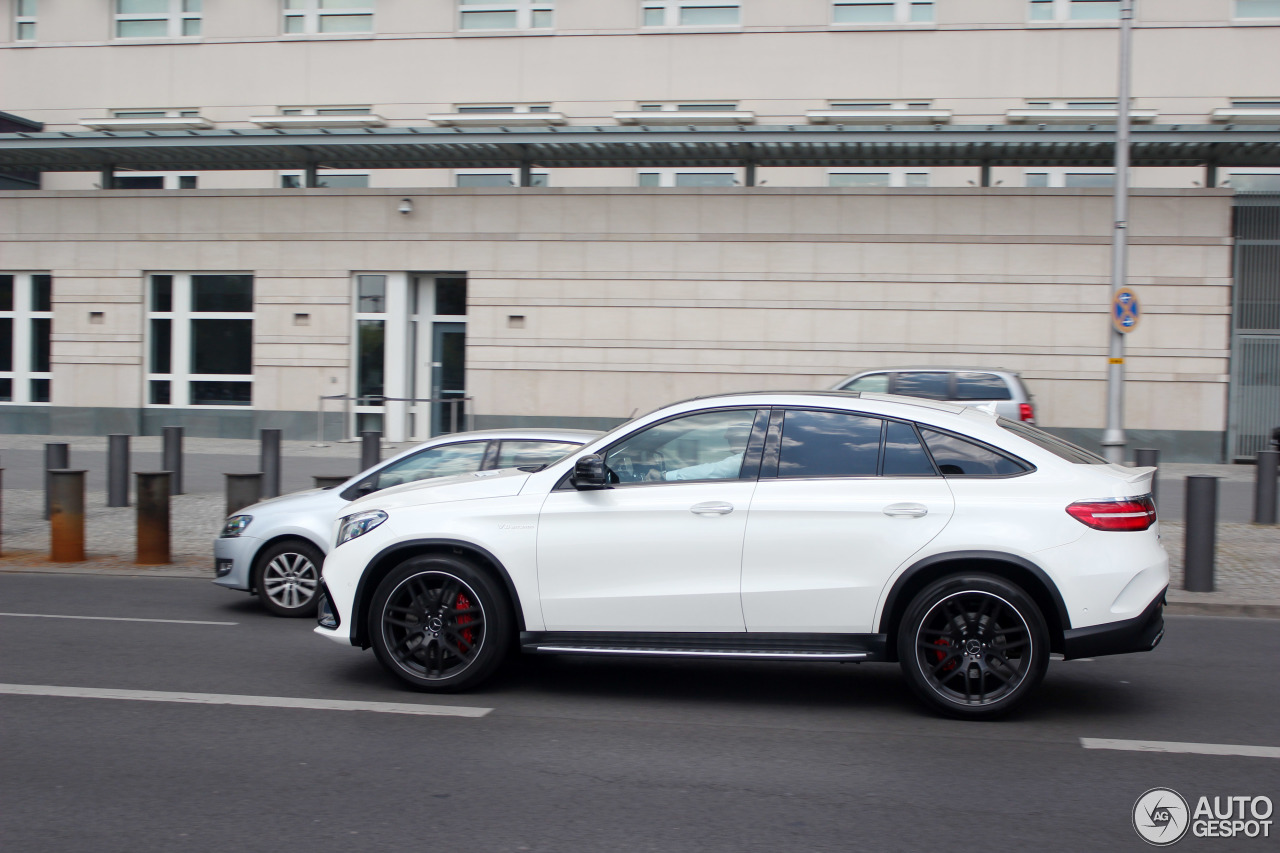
(1139, 634)
(233, 560)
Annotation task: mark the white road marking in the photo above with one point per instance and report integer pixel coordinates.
(246, 701)
(117, 619)
(1184, 748)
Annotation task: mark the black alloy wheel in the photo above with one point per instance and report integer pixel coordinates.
(973, 646)
(439, 623)
(287, 578)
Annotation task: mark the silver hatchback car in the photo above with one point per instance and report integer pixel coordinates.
(1000, 391)
(276, 547)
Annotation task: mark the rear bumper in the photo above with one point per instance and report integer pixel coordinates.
(1139, 634)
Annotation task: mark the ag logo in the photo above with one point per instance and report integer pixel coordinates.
(1160, 816)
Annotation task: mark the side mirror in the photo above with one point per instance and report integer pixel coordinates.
(368, 487)
(589, 472)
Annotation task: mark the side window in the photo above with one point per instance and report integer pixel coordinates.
(705, 446)
(876, 383)
(903, 454)
(828, 444)
(931, 386)
(436, 462)
(514, 454)
(981, 386)
(959, 458)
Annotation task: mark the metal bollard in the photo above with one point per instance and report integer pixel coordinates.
(1, 510)
(66, 516)
(171, 457)
(269, 462)
(370, 449)
(1264, 487)
(328, 481)
(57, 456)
(1147, 457)
(1201, 513)
(153, 517)
(242, 490)
(117, 470)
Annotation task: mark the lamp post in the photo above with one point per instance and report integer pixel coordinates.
(1113, 439)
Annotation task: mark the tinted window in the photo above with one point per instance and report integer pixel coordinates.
(959, 458)
(903, 455)
(829, 444)
(705, 446)
(981, 386)
(436, 462)
(876, 383)
(1057, 446)
(931, 386)
(515, 454)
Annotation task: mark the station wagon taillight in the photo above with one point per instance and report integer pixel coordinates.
(1026, 414)
(1125, 514)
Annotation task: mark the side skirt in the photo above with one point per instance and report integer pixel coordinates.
(740, 646)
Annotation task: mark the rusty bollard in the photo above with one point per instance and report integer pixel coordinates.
(153, 518)
(66, 516)
(242, 490)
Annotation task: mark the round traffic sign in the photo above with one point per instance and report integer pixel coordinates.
(1124, 310)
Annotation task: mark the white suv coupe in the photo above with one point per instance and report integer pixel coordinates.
(820, 526)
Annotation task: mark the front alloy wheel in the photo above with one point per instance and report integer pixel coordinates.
(287, 578)
(973, 646)
(439, 623)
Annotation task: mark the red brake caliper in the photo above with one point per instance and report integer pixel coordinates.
(945, 643)
(467, 634)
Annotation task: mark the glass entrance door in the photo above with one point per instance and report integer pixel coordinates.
(448, 377)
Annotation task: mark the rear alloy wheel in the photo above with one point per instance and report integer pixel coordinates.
(439, 623)
(973, 646)
(287, 578)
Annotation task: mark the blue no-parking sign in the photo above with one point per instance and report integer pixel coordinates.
(1124, 310)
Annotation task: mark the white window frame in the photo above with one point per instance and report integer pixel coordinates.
(1057, 175)
(1235, 12)
(670, 177)
(180, 12)
(672, 13)
(144, 119)
(898, 176)
(878, 112)
(23, 316)
(526, 12)
(903, 12)
(333, 116)
(172, 180)
(312, 16)
(696, 113)
(513, 174)
(180, 316)
(24, 19)
(1073, 111)
(1063, 11)
(484, 115)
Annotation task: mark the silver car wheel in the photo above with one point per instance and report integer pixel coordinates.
(290, 580)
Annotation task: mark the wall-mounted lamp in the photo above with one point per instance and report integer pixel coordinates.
(406, 206)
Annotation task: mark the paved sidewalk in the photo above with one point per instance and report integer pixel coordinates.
(1247, 564)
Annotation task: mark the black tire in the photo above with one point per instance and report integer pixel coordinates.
(973, 646)
(286, 577)
(439, 623)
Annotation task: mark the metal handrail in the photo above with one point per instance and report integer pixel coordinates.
(347, 436)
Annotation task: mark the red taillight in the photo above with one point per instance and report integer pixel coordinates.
(1126, 514)
(1026, 414)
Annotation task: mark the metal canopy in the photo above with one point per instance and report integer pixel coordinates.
(600, 147)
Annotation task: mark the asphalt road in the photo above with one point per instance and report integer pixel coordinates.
(579, 754)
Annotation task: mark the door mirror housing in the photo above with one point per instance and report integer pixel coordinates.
(589, 472)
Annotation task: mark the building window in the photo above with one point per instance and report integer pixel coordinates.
(1071, 178)
(328, 16)
(153, 181)
(1075, 10)
(688, 178)
(138, 19)
(1258, 8)
(200, 339)
(877, 178)
(327, 180)
(24, 20)
(1257, 180)
(496, 178)
(690, 13)
(508, 15)
(26, 329)
(882, 12)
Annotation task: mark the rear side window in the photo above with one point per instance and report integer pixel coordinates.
(957, 457)
(1057, 446)
(931, 386)
(903, 454)
(981, 386)
(829, 444)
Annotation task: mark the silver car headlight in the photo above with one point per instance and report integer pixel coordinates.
(236, 524)
(357, 525)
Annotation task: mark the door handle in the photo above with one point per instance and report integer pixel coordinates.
(906, 510)
(711, 508)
